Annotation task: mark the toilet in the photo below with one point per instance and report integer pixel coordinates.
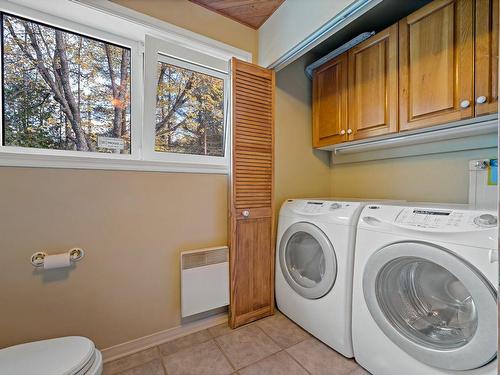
(72, 355)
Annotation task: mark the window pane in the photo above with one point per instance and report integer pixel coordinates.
(189, 112)
(63, 91)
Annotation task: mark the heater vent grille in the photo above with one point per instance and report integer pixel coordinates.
(204, 258)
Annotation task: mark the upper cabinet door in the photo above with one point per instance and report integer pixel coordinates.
(330, 102)
(373, 86)
(436, 53)
(486, 89)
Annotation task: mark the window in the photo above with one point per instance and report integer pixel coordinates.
(186, 101)
(189, 111)
(64, 91)
(96, 86)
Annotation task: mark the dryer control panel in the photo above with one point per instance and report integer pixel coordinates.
(314, 207)
(445, 219)
(322, 210)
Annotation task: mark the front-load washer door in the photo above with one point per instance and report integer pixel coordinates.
(432, 304)
(307, 260)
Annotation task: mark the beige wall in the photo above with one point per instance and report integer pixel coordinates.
(131, 224)
(190, 16)
(440, 178)
(300, 170)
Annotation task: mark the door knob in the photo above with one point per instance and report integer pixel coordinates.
(481, 99)
(465, 104)
(349, 131)
(245, 213)
(342, 132)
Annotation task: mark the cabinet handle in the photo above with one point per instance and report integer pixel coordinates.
(481, 99)
(349, 131)
(342, 132)
(464, 104)
(245, 213)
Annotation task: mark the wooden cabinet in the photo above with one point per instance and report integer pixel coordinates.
(486, 57)
(330, 102)
(251, 254)
(438, 65)
(436, 52)
(373, 86)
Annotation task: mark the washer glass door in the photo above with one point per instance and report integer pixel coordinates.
(432, 304)
(307, 260)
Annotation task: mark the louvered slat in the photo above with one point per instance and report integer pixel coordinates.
(252, 134)
(251, 242)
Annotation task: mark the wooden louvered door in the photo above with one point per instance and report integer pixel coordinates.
(251, 197)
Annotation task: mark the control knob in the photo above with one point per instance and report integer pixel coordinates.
(486, 220)
(335, 206)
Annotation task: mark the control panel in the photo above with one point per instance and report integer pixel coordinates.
(316, 207)
(445, 219)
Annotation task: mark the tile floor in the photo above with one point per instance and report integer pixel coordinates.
(274, 346)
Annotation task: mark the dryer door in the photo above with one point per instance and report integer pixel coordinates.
(307, 260)
(432, 304)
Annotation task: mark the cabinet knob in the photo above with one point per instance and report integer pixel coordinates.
(481, 99)
(342, 132)
(349, 131)
(245, 213)
(465, 104)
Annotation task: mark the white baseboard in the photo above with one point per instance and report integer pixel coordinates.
(142, 343)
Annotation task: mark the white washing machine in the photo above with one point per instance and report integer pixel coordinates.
(425, 291)
(314, 265)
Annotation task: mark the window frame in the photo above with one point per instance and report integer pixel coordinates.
(135, 83)
(161, 51)
(115, 24)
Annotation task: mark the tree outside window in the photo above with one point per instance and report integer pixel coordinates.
(64, 91)
(189, 112)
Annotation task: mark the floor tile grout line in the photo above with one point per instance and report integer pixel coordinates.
(298, 342)
(296, 361)
(161, 361)
(158, 356)
(255, 323)
(183, 349)
(267, 356)
(260, 360)
(134, 367)
(225, 355)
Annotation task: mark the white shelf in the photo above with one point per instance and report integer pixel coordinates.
(477, 133)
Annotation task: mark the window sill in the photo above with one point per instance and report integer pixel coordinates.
(13, 159)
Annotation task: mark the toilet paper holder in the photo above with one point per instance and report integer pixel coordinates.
(38, 258)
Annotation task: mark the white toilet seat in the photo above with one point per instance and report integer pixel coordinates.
(73, 355)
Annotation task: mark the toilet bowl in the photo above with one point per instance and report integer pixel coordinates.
(73, 355)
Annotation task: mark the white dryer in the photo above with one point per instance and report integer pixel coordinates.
(425, 291)
(314, 266)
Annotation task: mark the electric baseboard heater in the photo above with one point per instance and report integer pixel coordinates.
(204, 280)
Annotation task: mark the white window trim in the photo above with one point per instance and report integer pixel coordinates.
(139, 160)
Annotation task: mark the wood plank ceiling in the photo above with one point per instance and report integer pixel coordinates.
(252, 13)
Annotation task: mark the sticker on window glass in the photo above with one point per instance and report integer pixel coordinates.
(111, 143)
